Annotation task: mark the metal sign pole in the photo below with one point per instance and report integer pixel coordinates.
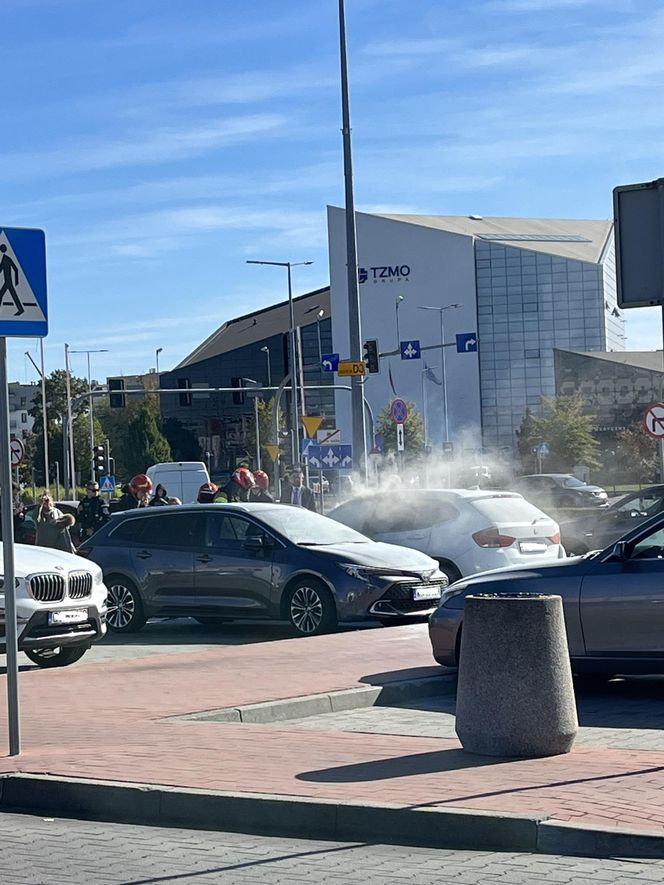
(7, 513)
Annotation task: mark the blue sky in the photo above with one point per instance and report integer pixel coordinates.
(160, 144)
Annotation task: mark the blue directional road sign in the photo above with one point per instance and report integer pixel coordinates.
(330, 457)
(410, 350)
(106, 483)
(23, 304)
(330, 362)
(466, 342)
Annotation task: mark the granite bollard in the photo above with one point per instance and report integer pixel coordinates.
(515, 694)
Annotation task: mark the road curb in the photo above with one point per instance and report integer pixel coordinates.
(391, 694)
(305, 817)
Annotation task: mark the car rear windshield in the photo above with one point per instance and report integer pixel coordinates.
(571, 482)
(304, 527)
(506, 510)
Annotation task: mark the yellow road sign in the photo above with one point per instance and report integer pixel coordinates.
(311, 424)
(350, 367)
(273, 452)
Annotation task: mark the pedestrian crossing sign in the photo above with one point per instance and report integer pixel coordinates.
(23, 303)
(106, 483)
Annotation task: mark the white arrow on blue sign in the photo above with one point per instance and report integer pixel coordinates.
(466, 342)
(410, 350)
(330, 457)
(330, 362)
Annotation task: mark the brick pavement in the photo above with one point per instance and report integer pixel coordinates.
(37, 851)
(110, 721)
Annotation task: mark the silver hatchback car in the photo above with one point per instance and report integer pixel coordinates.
(613, 602)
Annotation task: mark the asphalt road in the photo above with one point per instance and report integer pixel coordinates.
(46, 851)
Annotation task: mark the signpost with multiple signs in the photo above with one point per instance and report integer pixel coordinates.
(23, 314)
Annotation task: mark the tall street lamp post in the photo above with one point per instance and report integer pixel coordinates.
(92, 419)
(266, 350)
(295, 421)
(156, 357)
(319, 317)
(441, 310)
(399, 299)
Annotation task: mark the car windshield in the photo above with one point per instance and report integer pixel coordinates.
(571, 482)
(310, 529)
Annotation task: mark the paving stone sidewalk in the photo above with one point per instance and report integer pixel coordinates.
(37, 851)
(113, 721)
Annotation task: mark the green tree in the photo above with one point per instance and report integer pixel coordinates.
(636, 454)
(143, 442)
(266, 429)
(183, 442)
(567, 431)
(413, 431)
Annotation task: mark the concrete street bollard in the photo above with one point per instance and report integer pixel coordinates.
(515, 695)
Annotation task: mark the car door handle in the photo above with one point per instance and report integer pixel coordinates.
(204, 558)
(144, 554)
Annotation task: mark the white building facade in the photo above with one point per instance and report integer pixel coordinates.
(520, 287)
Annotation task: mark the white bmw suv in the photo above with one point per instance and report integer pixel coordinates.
(60, 605)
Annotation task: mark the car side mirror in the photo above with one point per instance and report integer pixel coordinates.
(255, 543)
(620, 550)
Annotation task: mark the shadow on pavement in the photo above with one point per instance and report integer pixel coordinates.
(453, 759)
(185, 631)
(407, 673)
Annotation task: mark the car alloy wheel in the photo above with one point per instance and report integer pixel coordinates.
(124, 610)
(62, 656)
(311, 609)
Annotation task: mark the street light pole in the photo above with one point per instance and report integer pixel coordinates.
(354, 315)
(319, 317)
(70, 478)
(42, 375)
(399, 299)
(156, 357)
(92, 420)
(266, 350)
(292, 356)
(442, 362)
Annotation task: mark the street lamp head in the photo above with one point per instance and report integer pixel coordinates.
(320, 314)
(265, 349)
(159, 350)
(399, 299)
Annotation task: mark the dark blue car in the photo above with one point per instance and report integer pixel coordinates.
(217, 562)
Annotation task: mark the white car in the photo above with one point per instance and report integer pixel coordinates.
(466, 530)
(60, 605)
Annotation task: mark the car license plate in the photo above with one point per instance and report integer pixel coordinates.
(68, 616)
(427, 591)
(532, 546)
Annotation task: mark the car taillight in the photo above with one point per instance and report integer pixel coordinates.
(555, 539)
(84, 551)
(492, 538)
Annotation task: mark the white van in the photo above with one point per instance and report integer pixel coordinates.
(181, 479)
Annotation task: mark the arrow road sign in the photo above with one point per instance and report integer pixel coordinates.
(17, 451)
(330, 457)
(23, 307)
(466, 342)
(330, 362)
(401, 440)
(410, 350)
(653, 420)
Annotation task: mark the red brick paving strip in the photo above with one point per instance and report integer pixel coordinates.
(108, 721)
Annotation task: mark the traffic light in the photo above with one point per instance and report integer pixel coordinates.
(99, 459)
(371, 356)
(116, 400)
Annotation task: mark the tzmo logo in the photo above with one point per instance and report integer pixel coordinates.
(384, 273)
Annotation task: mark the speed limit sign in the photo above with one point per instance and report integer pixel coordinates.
(17, 451)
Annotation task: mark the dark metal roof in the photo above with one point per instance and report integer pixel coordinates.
(259, 325)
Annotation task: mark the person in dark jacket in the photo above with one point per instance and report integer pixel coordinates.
(294, 491)
(53, 526)
(136, 493)
(160, 497)
(92, 512)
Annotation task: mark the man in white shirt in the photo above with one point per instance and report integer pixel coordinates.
(295, 492)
